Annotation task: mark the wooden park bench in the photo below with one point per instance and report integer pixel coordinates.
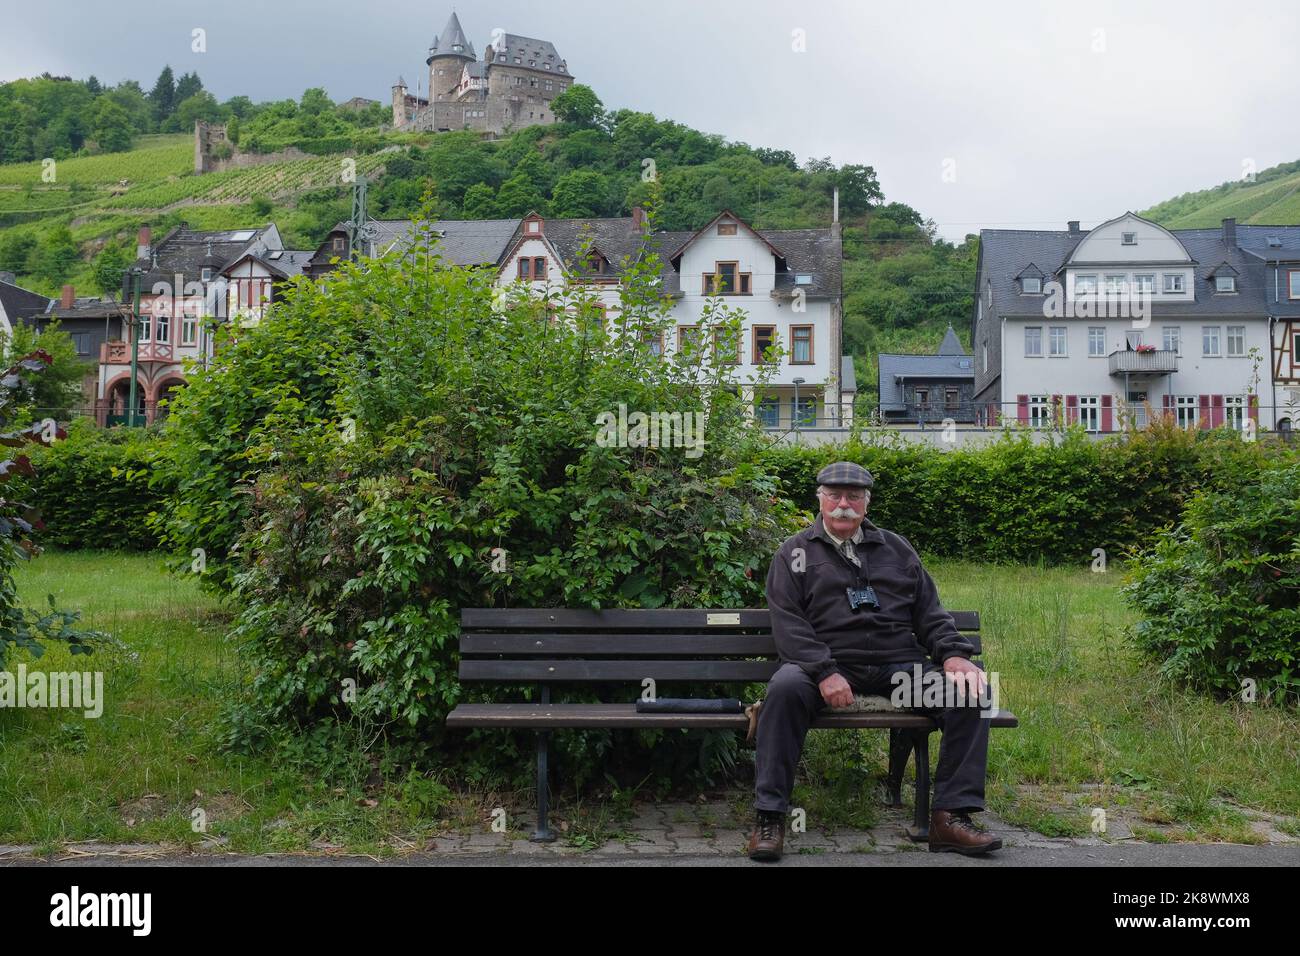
(548, 646)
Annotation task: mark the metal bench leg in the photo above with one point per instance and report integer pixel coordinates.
(900, 748)
(543, 832)
(919, 831)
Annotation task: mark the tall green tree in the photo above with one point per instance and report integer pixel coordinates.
(111, 126)
(187, 86)
(163, 95)
(579, 105)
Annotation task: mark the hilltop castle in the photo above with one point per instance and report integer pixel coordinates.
(510, 88)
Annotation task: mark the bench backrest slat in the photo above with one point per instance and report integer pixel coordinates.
(571, 669)
(542, 645)
(616, 645)
(659, 619)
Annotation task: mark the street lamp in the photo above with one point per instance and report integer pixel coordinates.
(797, 383)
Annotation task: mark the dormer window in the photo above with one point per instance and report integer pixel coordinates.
(1031, 285)
(533, 227)
(1085, 285)
(1225, 283)
(1128, 238)
(207, 274)
(1173, 282)
(803, 278)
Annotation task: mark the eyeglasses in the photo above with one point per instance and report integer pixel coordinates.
(853, 497)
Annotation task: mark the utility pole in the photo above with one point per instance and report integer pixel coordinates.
(357, 224)
(135, 345)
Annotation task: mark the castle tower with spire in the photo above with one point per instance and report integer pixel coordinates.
(510, 88)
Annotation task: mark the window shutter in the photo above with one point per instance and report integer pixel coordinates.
(1204, 413)
(1022, 409)
(1216, 409)
(1107, 422)
(1071, 409)
(1254, 408)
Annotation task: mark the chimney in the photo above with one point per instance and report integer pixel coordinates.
(638, 214)
(69, 297)
(1230, 232)
(1073, 225)
(835, 204)
(142, 243)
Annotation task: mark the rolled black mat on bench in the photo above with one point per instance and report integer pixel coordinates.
(690, 705)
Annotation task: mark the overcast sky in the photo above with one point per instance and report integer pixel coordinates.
(994, 114)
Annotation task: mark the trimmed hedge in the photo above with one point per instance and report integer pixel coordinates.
(93, 488)
(1016, 501)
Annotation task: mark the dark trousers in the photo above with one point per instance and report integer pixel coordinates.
(793, 701)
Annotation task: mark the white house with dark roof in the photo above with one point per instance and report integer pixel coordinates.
(787, 282)
(1111, 325)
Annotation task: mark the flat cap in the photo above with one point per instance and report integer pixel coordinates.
(845, 473)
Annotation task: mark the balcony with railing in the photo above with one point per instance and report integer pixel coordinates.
(1150, 362)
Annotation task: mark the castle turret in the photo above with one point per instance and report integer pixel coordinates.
(450, 51)
(399, 103)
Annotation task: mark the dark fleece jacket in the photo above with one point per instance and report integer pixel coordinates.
(814, 626)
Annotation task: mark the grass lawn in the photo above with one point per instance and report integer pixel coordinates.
(1096, 731)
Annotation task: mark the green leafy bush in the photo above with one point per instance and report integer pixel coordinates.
(93, 488)
(410, 444)
(1220, 595)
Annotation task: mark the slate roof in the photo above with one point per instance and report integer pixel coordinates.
(18, 302)
(951, 363)
(281, 263)
(187, 252)
(528, 48)
(481, 242)
(1006, 252)
(84, 308)
(452, 35)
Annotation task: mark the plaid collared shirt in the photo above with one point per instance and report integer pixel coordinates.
(846, 544)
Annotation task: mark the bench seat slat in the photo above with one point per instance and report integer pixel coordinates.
(624, 715)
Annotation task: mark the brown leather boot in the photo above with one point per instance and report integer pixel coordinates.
(768, 839)
(953, 832)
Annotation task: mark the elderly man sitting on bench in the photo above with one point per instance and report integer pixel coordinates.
(851, 606)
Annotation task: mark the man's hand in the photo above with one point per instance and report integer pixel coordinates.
(968, 677)
(836, 691)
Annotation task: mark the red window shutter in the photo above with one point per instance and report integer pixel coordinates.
(1216, 410)
(1107, 422)
(1203, 418)
(1022, 409)
(1254, 408)
(1071, 409)
(1167, 405)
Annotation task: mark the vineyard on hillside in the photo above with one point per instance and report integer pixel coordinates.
(160, 175)
(156, 158)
